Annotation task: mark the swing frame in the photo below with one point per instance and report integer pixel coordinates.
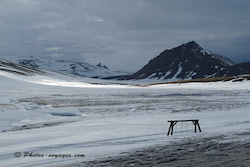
(174, 122)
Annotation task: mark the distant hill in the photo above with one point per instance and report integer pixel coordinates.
(235, 70)
(69, 67)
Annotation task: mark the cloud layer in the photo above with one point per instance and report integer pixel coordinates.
(125, 35)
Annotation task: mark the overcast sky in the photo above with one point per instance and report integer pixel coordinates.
(123, 34)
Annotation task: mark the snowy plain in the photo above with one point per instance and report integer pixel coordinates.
(64, 115)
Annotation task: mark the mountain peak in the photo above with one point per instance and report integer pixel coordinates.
(189, 47)
(102, 66)
(192, 45)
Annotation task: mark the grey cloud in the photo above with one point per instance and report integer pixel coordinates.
(122, 34)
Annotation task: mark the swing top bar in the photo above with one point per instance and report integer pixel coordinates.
(183, 120)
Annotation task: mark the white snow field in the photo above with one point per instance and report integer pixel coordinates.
(44, 116)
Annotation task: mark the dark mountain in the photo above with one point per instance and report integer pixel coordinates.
(238, 69)
(188, 61)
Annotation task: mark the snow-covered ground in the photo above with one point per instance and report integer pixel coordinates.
(45, 115)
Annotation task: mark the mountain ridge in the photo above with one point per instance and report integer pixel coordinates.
(185, 62)
(82, 69)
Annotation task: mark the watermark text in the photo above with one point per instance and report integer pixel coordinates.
(42, 155)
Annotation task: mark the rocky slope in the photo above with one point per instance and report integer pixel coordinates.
(8, 66)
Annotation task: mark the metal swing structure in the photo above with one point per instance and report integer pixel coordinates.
(174, 122)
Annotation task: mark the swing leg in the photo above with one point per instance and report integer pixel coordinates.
(170, 127)
(194, 126)
(199, 126)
